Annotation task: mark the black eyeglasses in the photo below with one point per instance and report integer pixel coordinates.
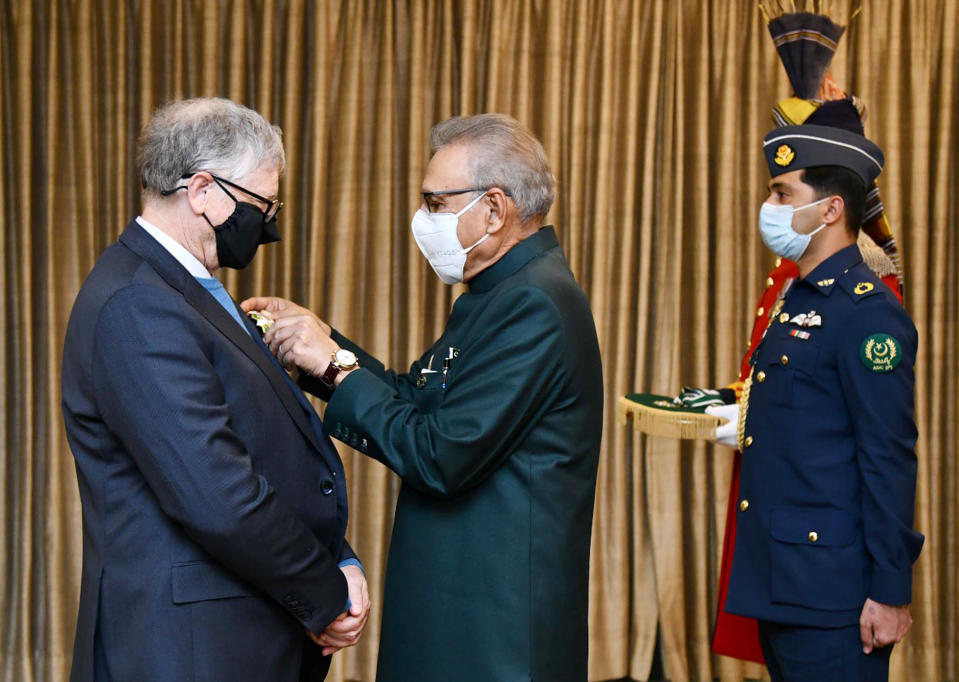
(443, 192)
(273, 206)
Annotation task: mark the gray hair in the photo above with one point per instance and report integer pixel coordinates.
(205, 134)
(504, 154)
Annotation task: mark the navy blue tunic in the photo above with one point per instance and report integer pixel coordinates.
(829, 467)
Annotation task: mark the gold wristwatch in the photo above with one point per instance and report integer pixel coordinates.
(343, 360)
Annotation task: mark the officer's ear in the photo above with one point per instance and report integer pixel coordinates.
(499, 205)
(835, 210)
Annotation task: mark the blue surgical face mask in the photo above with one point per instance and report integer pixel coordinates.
(776, 230)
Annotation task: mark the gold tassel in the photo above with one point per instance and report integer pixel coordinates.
(762, 10)
(773, 9)
(668, 423)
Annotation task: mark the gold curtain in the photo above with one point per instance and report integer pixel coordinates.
(652, 112)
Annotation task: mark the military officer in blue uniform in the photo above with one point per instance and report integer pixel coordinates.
(825, 543)
(494, 430)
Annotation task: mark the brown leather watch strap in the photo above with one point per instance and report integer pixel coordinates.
(329, 376)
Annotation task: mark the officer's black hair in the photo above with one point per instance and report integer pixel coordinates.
(829, 180)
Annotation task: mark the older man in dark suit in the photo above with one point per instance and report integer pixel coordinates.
(214, 508)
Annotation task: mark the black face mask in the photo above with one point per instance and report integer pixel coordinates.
(238, 237)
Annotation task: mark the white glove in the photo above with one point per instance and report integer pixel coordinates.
(726, 433)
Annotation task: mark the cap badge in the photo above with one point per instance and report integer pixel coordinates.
(784, 155)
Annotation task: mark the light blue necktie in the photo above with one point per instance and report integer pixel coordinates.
(222, 296)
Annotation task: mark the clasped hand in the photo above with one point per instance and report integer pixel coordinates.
(298, 338)
(345, 631)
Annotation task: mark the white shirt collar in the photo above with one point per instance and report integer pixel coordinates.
(176, 249)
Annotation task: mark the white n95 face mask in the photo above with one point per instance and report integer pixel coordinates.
(435, 234)
(777, 233)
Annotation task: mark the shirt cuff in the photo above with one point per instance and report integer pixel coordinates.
(351, 562)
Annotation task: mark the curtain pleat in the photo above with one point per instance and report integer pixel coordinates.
(652, 113)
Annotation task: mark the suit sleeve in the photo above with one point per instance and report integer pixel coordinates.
(882, 405)
(497, 389)
(347, 554)
(161, 397)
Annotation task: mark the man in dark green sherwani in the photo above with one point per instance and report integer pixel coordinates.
(495, 430)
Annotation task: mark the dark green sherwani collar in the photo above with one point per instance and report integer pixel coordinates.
(521, 254)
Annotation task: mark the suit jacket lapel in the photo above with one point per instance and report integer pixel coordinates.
(140, 242)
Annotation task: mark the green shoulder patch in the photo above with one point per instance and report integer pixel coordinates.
(880, 353)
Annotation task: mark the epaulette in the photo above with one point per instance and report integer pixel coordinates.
(860, 283)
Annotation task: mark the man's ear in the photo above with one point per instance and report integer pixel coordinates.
(197, 191)
(499, 205)
(835, 209)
